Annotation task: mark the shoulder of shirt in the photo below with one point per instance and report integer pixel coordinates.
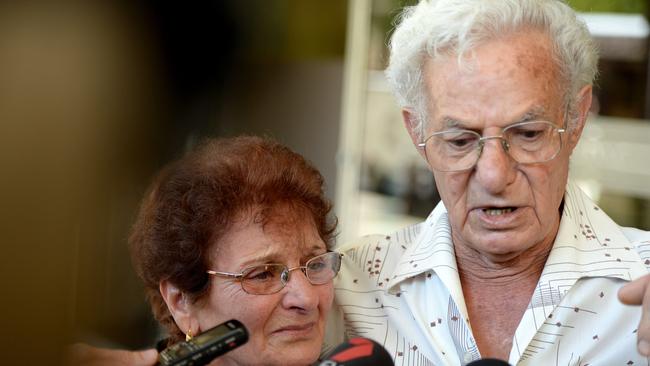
(636, 236)
(403, 238)
(640, 240)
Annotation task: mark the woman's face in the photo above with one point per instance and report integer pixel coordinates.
(287, 327)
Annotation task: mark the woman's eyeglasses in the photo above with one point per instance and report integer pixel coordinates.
(267, 279)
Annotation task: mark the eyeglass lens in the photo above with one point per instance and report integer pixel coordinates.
(526, 142)
(271, 278)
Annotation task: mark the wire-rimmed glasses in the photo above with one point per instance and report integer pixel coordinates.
(526, 142)
(266, 279)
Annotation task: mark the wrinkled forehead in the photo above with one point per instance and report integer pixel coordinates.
(529, 51)
(512, 74)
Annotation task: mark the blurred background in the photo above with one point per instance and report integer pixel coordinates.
(95, 96)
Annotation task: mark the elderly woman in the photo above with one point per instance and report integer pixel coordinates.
(239, 229)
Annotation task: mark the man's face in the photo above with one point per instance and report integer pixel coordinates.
(500, 208)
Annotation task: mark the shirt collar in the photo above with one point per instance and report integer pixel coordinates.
(588, 242)
(431, 251)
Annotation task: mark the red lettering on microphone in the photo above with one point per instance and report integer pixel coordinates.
(362, 348)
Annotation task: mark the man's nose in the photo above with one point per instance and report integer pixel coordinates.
(495, 168)
(299, 293)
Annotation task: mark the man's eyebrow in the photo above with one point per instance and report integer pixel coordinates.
(537, 112)
(534, 113)
(450, 122)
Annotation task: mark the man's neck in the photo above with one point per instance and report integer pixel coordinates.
(478, 269)
(497, 294)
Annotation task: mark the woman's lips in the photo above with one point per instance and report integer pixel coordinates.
(296, 330)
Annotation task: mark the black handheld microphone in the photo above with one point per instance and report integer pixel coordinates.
(357, 352)
(488, 362)
(205, 347)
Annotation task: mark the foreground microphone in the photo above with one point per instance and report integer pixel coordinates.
(358, 352)
(205, 347)
(488, 362)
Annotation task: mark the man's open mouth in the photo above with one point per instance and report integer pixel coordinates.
(498, 211)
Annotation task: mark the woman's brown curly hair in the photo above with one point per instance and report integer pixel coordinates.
(194, 201)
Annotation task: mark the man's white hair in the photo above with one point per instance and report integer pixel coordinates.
(438, 28)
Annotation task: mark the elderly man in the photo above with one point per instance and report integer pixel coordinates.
(515, 263)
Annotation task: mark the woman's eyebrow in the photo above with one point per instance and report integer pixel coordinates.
(261, 260)
(314, 250)
(278, 257)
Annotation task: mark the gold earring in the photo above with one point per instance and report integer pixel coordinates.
(188, 335)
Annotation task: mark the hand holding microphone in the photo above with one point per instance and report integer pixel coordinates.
(199, 351)
(86, 355)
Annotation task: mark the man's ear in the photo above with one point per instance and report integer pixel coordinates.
(582, 108)
(410, 119)
(180, 307)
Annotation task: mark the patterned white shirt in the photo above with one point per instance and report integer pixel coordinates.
(403, 290)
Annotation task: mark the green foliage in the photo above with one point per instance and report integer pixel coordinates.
(613, 6)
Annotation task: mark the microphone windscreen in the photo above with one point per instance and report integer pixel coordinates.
(488, 362)
(358, 352)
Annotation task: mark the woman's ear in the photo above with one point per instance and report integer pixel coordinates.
(180, 307)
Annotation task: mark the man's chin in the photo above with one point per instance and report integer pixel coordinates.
(499, 246)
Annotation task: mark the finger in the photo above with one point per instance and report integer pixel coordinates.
(82, 354)
(145, 358)
(633, 292)
(643, 332)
